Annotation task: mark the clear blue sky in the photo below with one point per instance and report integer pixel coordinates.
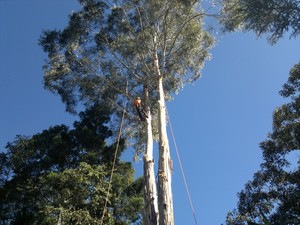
(218, 121)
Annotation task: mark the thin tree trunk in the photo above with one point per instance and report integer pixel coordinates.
(165, 199)
(150, 193)
(59, 221)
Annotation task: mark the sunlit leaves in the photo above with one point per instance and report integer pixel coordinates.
(122, 37)
(272, 17)
(105, 55)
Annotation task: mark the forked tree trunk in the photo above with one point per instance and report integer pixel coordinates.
(165, 199)
(150, 192)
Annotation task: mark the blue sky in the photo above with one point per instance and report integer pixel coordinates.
(218, 122)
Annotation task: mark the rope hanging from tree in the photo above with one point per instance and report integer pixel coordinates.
(181, 169)
(113, 167)
(114, 163)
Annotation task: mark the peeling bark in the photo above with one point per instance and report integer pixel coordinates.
(150, 193)
(165, 199)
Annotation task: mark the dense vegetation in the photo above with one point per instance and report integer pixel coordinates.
(61, 176)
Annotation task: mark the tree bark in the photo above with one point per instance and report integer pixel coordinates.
(165, 199)
(150, 192)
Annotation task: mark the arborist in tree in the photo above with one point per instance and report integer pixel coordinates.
(138, 105)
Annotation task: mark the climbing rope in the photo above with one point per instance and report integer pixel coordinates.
(117, 147)
(113, 167)
(181, 169)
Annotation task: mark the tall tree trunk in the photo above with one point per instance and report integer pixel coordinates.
(59, 221)
(150, 192)
(165, 199)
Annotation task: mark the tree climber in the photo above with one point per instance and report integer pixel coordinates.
(141, 112)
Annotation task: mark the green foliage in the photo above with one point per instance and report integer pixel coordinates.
(292, 86)
(75, 196)
(272, 197)
(107, 48)
(61, 176)
(273, 17)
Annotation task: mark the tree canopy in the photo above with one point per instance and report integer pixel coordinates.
(114, 51)
(109, 45)
(272, 17)
(61, 176)
(272, 197)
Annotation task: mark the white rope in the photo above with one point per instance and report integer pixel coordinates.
(113, 168)
(181, 169)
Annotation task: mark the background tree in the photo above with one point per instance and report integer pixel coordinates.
(272, 197)
(112, 51)
(60, 176)
(272, 17)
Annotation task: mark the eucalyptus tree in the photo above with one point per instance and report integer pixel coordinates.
(272, 197)
(272, 17)
(113, 51)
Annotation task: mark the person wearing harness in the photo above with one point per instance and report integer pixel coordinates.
(138, 105)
